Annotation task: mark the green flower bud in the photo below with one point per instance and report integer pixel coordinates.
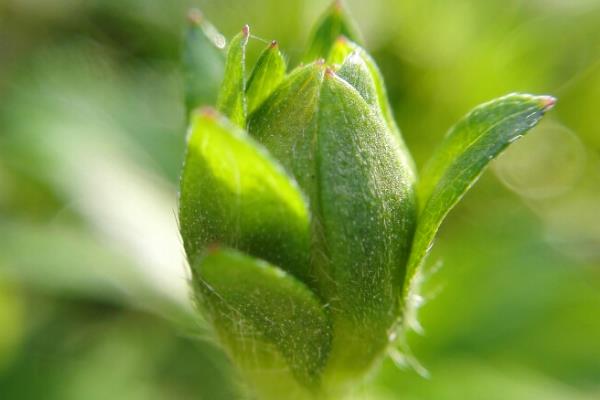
(362, 206)
(302, 218)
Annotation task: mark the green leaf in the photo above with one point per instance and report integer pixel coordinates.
(232, 95)
(269, 322)
(70, 261)
(284, 123)
(459, 161)
(203, 62)
(333, 24)
(355, 71)
(361, 201)
(361, 71)
(368, 215)
(341, 49)
(267, 74)
(234, 193)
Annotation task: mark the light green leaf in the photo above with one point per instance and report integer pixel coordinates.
(270, 323)
(361, 200)
(203, 62)
(355, 71)
(340, 50)
(267, 74)
(234, 193)
(232, 95)
(333, 24)
(361, 71)
(71, 261)
(459, 161)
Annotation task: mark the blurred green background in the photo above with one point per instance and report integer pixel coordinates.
(93, 301)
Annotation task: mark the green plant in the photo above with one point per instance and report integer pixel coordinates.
(303, 220)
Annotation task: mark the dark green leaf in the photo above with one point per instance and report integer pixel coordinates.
(232, 95)
(203, 62)
(269, 322)
(267, 74)
(234, 193)
(333, 24)
(361, 200)
(459, 161)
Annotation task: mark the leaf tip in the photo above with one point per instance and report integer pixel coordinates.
(547, 102)
(213, 248)
(341, 39)
(329, 73)
(206, 112)
(246, 31)
(274, 44)
(337, 6)
(320, 65)
(195, 16)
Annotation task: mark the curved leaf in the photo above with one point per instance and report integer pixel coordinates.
(232, 95)
(234, 193)
(269, 322)
(203, 62)
(459, 161)
(283, 124)
(355, 71)
(267, 74)
(359, 68)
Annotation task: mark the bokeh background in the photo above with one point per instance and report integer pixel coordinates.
(93, 301)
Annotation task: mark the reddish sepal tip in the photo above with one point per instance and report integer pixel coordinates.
(246, 30)
(213, 248)
(548, 102)
(207, 112)
(342, 39)
(195, 16)
(337, 6)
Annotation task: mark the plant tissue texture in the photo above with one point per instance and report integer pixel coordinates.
(301, 213)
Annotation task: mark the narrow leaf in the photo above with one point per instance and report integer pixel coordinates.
(232, 95)
(203, 62)
(269, 322)
(234, 193)
(267, 74)
(333, 24)
(461, 158)
(360, 69)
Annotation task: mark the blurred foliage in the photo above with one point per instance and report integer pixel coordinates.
(91, 143)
